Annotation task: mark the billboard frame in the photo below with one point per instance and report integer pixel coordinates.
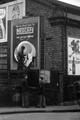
(10, 38)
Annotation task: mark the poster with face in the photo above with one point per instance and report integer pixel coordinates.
(73, 56)
(10, 11)
(3, 25)
(25, 32)
(16, 10)
(29, 52)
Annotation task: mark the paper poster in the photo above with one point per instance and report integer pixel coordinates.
(25, 31)
(16, 10)
(10, 11)
(2, 25)
(73, 56)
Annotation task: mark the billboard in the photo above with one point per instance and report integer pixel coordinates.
(10, 11)
(73, 45)
(24, 31)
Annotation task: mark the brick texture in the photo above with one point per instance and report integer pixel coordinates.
(52, 35)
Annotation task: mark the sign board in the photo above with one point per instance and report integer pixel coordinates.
(10, 11)
(73, 56)
(27, 29)
(44, 76)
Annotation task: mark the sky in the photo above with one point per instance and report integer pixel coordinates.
(73, 2)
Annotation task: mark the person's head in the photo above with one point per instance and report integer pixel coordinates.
(22, 48)
(77, 41)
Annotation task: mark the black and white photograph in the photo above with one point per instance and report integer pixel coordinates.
(39, 59)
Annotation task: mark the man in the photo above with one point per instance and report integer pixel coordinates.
(42, 99)
(25, 92)
(21, 59)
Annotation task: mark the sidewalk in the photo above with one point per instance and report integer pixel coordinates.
(15, 110)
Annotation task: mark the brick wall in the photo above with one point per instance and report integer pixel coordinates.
(53, 48)
(71, 31)
(52, 35)
(68, 80)
(53, 39)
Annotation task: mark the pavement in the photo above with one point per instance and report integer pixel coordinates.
(62, 112)
(47, 109)
(42, 116)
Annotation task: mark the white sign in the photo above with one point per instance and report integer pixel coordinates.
(16, 10)
(44, 76)
(24, 30)
(73, 56)
(2, 13)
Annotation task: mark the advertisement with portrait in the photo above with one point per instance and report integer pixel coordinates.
(73, 56)
(3, 25)
(16, 9)
(9, 11)
(25, 31)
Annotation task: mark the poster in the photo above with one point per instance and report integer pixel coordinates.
(27, 29)
(10, 11)
(16, 10)
(2, 25)
(73, 56)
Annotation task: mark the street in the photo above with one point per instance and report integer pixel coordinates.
(42, 116)
(71, 112)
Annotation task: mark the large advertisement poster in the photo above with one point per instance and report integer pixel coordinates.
(73, 56)
(10, 11)
(23, 31)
